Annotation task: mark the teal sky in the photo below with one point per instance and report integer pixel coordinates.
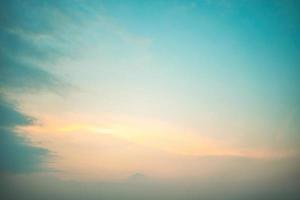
(92, 91)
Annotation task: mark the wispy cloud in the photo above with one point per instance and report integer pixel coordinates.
(28, 47)
(22, 41)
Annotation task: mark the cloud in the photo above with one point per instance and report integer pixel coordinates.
(16, 155)
(19, 76)
(28, 47)
(16, 152)
(26, 38)
(34, 36)
(12, 116)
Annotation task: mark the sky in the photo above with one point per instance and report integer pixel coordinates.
(161, 99)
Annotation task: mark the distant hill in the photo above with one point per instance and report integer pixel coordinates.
(137, 177)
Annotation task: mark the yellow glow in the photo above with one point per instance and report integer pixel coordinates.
(118, 146)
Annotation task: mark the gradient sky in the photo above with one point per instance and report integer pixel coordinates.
(110, 91)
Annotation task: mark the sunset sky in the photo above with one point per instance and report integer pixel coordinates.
(184, 95)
